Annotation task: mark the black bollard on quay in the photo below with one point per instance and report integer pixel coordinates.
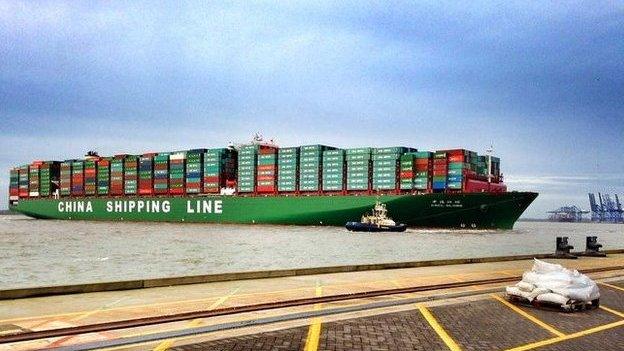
(563, 248)
(592, 248)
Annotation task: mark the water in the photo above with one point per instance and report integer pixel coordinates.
(37, 252)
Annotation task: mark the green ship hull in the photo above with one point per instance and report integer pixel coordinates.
(467, 210)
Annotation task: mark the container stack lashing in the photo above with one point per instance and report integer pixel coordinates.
(334, 172)
(267, 170)
(195, 171)
(288, 170)
(103, 176)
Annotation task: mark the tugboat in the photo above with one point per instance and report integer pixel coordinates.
(376, 221)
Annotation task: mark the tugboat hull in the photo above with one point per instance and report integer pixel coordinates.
(366, 227)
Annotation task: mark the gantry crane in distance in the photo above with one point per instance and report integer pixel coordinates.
(606, 209)
(567, 214)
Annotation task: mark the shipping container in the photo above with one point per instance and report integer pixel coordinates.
(131, 175)
(161, 173)
(14, 184)
(177, 166)
(220, 168)
(66, 178)
(77, 178)
(24, 181)
(359, 169)
(146, 174)
(33, 179)
(117, 175)
(90, 176)
(334, 170)
(311, 167)
(288, 169)
(195, 171)
(247, 162)
(103, 176)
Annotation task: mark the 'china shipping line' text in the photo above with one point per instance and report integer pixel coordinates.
(142, 206)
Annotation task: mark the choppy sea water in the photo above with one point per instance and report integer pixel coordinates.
(53, 252)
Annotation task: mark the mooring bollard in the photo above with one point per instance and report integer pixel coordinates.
(563, 248)
(592, 247)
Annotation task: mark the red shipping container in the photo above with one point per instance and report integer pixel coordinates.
(439, 173)
(211, 179)
(266, 178)
(266, 188)
(407, 175)
(211, 189)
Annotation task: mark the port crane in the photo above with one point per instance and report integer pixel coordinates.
(606, 209)
(570, 213)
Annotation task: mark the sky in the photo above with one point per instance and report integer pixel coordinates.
(543, 82)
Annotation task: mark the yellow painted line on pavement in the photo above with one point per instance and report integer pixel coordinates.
(314, 331)
(617, 313)
(446, 338)
(567, 337)
(166, 344)
(527, 316)
(613, 286)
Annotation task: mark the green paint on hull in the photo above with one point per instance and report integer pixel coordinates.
(470, 210)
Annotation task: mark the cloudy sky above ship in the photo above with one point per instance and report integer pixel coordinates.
(542, 82)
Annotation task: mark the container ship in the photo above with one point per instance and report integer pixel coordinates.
(261, 183)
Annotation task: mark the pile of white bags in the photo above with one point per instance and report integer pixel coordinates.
(552, 283)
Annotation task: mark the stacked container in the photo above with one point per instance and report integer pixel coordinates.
(333, 170)
(219, 168)
(177, 165)
(23, 181)
(359, 169)
(496, 173)
(386, 167)
(161, 174)
(131, 175)
(247, 160)
(423, 170)
(14, 184)
(146, 174)
(267, 170)
(406, 171)
(440, 168)
(117, 175)
(288, 169)
(77, 187)
(66, 178)
(195, 171)
(459, 167)
(90, 177)
(103, 176)
(33, 179)
(310, 167)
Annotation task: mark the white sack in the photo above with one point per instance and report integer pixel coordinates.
(562, 281)
(552, 298)
(538, 291)
(515, 291)
(524, 286)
